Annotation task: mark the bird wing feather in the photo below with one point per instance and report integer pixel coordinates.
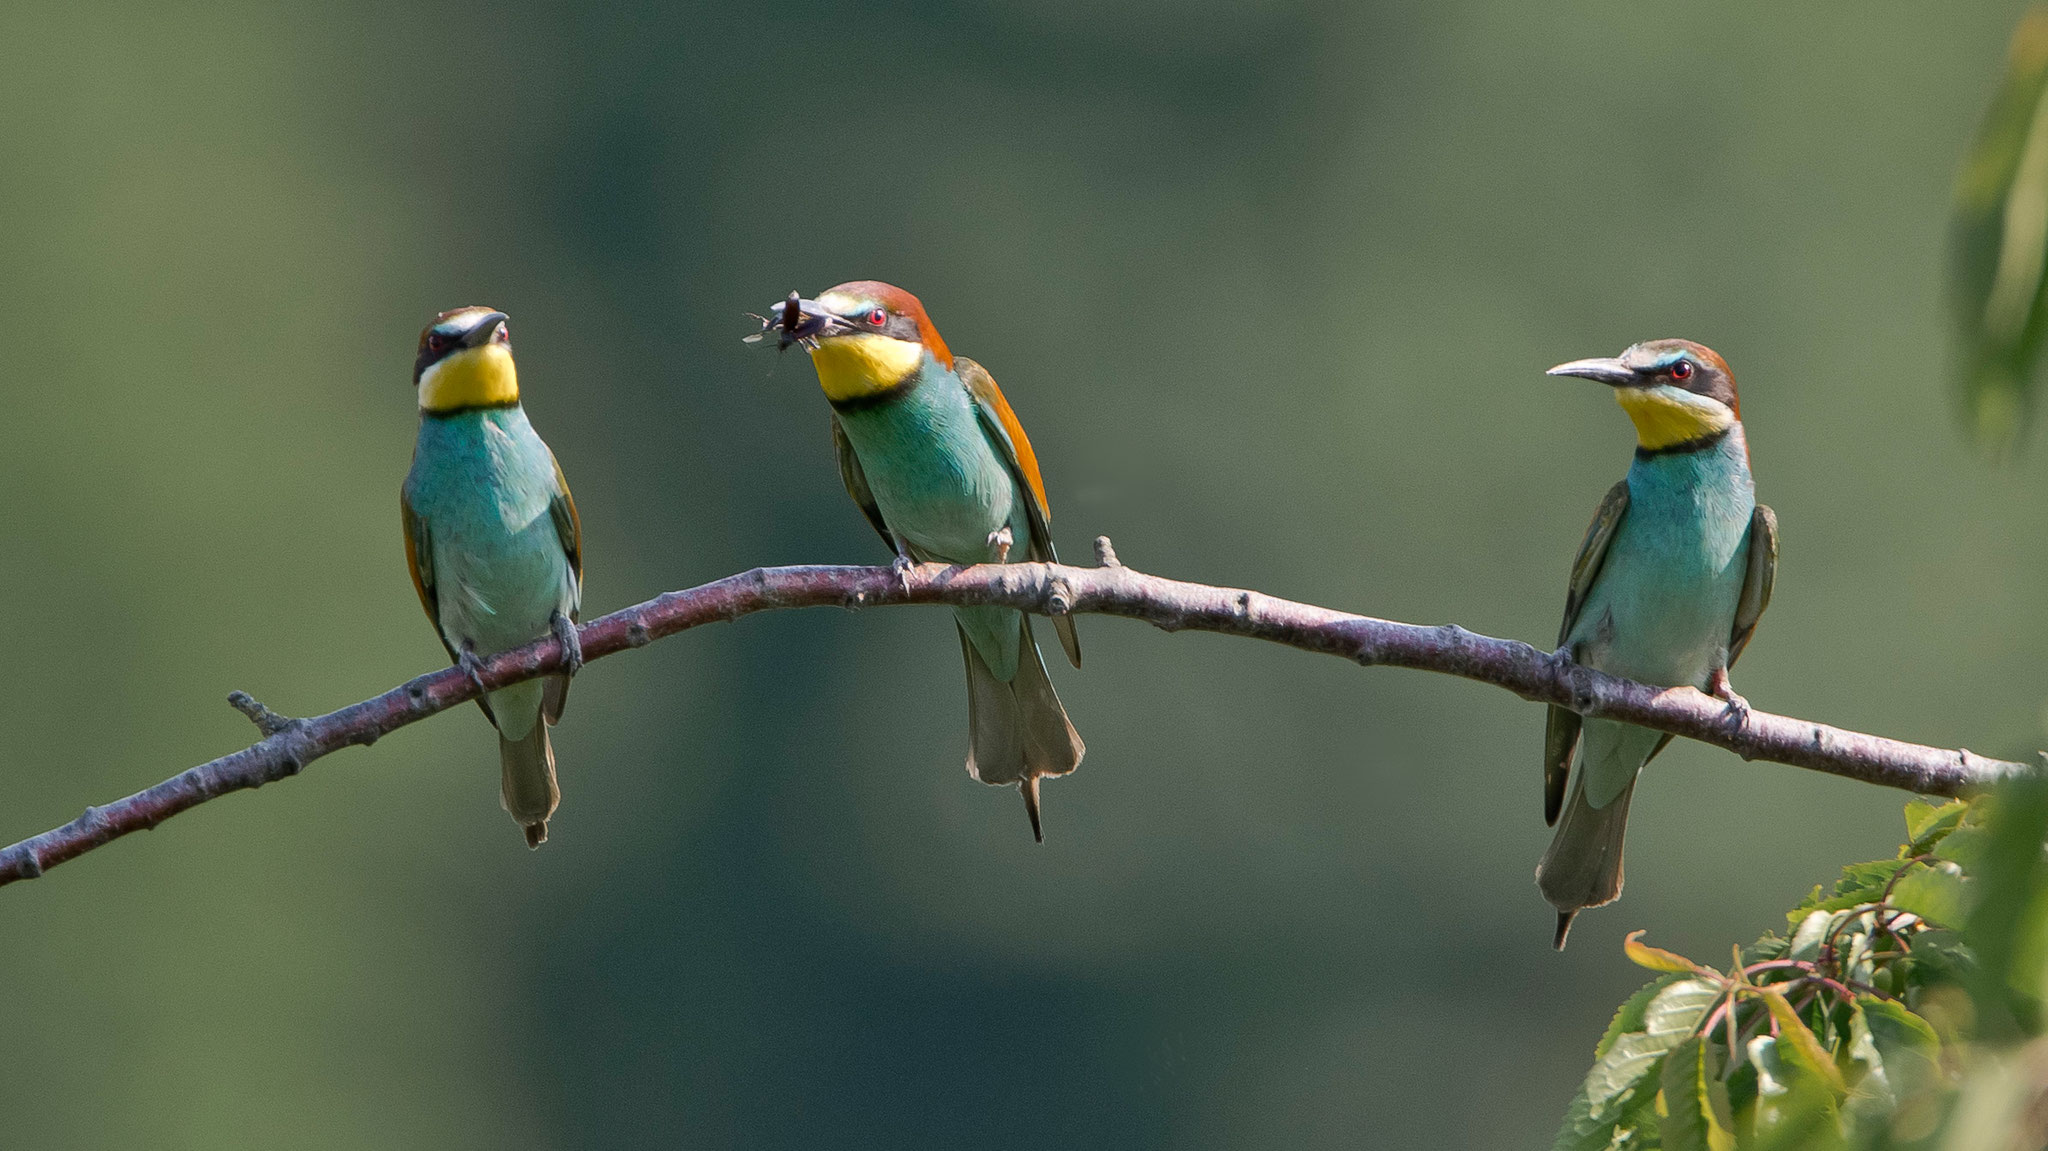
(1757, 579)
(856, 482)
(419, 560)
(1003, 427)
(569, 530)
(1561, 726)
(568, 525)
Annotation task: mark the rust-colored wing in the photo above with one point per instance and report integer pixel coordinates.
(419, 561)
(1008, 435)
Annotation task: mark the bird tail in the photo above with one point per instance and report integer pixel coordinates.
(1582, 868)
(1017, 731)
(528, 786)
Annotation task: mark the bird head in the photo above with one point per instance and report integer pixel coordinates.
(866, 338)
(1675, 391)
(465, 361)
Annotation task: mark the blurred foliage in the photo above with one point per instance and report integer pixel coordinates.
(1903, 1009)
(1999, 252)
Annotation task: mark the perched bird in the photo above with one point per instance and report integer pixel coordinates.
(930, 450)
(493, 541)
(1673, 575)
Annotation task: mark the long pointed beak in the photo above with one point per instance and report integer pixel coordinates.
(1606, 371)
(795, 320)
(481, 333)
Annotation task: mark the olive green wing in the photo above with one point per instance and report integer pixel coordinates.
(856, 482)
(568, 525)
(419, 560)
(1007, 433)
(569, 530)
(1757, 580)
(1561, 727)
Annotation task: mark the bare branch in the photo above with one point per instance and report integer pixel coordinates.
(1112, 589)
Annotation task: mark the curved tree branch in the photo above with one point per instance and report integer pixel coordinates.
(288, 745)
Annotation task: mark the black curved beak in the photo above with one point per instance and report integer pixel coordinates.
(797, 320)
(485, 328)
(1606, 371)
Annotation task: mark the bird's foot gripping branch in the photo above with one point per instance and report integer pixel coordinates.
(288, 745)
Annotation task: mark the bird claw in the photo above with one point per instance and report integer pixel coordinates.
(1736, 713)
(473, 667)
(572, 644)
(901, 565)
(1002, 540)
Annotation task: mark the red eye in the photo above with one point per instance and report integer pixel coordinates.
(878, 317)
(503, 335)
(1682, 370)
(436, 341)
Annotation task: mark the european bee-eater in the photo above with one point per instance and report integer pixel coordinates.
(493, 541)
(1668, 586)
(930, 450)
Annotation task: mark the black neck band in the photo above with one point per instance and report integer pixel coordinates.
(1684, 447)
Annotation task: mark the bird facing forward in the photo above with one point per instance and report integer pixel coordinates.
(493, 541)
(1673, 575)
(931, 452)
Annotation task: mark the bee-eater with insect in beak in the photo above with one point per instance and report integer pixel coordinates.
(493, 541)
(1673, 575)
(930, 450)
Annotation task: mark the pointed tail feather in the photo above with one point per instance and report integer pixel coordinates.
(554, 697)
(527, 784)
(1018, 732)
(1582, 868)
(1029, 786)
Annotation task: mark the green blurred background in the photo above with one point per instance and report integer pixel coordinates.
(1273, 287)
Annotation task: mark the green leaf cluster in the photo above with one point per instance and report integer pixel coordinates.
(1999, 245)
(1903, 1008)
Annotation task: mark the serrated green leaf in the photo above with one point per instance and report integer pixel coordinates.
(1860, 883)
(1907, 1043)
(1812, 931)
(1696, 1113)
(1799, 1047)
(1965, 847)
(1581, 1130)
(1870, 1091)
(1794, 1110)
(1769, 945)
(1927, 822)
(1936, 894)
(1672, 1016)
(1629, 1016)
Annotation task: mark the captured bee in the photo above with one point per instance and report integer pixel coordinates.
(797, 321)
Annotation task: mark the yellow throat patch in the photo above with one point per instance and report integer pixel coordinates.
(864, 364)
(1662, 421)
(471, 378)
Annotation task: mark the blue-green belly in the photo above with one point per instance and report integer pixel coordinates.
(483, 482)
(941, 485)
(1663, 607)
